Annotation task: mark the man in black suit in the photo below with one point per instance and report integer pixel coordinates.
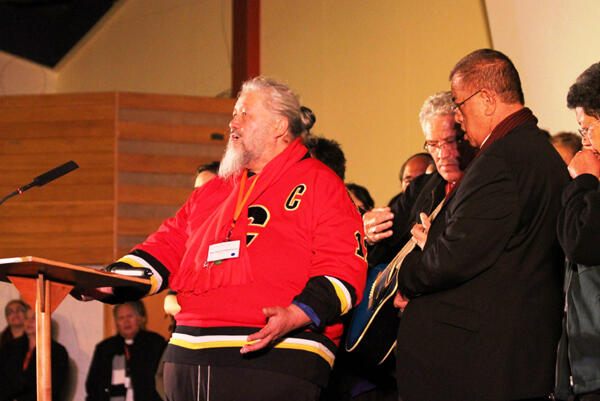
(484, 283)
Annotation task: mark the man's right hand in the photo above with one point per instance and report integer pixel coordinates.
(400, 302)
(376, 224)
(585, 162)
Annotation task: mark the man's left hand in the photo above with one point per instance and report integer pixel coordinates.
(280, 322)
(419, 231)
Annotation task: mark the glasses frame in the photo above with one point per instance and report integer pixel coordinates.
(584, 131)
(441, 144)
(457, 106)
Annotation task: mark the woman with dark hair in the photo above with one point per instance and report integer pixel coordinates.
(578, 370)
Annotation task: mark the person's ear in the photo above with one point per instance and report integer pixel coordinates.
(488, 99)
(281, 127)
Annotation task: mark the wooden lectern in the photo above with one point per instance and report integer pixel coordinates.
(45, 283)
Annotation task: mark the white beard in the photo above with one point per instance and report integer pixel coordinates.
(234, 160)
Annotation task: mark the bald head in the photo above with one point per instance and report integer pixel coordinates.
(414, 167)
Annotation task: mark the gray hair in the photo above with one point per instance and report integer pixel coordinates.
(137, 306)
(439, 104)
(284, 102)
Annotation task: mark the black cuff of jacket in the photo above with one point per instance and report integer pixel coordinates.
(584, 182)
(124, 294)
(321, 297)
(159, 269)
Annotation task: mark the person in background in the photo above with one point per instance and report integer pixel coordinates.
(413, 167)
(567, 144)
(18, 365)
(205, 173)
(328, 152)
(14, 311)
(123, 366)
(578, 366)
(361, 197)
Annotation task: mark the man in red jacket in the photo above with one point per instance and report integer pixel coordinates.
(276, 239)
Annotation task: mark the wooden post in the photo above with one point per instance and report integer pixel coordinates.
(246, 42)
(42, 339)
(45, 296)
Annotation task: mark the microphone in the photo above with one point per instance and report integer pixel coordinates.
(45, 178)
(54, 173)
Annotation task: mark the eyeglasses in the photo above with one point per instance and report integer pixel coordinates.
(459, 105)
(436, 146)
(584, 131)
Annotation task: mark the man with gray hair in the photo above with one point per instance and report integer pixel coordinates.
(388, 228)
(274, 238)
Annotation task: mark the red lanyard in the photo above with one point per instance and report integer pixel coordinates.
(27, 358)
(241, 200)
(127, 354)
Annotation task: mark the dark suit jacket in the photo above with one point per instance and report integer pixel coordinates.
(486, 301)
(146, 352)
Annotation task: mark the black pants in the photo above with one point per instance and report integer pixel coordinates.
(218, 383)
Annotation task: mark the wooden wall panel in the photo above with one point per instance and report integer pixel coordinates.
(157, 179)
(57, 129)
(33, 225)
(81, 176)
(85, 160)
(71, 219)
(172, 132)
(58, 113)
(57, 144)
(160, 163)
(150, 211)
(174, 117)
(68, 193)
(89, 256)
(53, 100)
(47, 225)
(138, 226)
(128, 100)
(153, 195)
(56, 208)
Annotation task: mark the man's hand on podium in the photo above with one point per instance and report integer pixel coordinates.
(91, 294)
